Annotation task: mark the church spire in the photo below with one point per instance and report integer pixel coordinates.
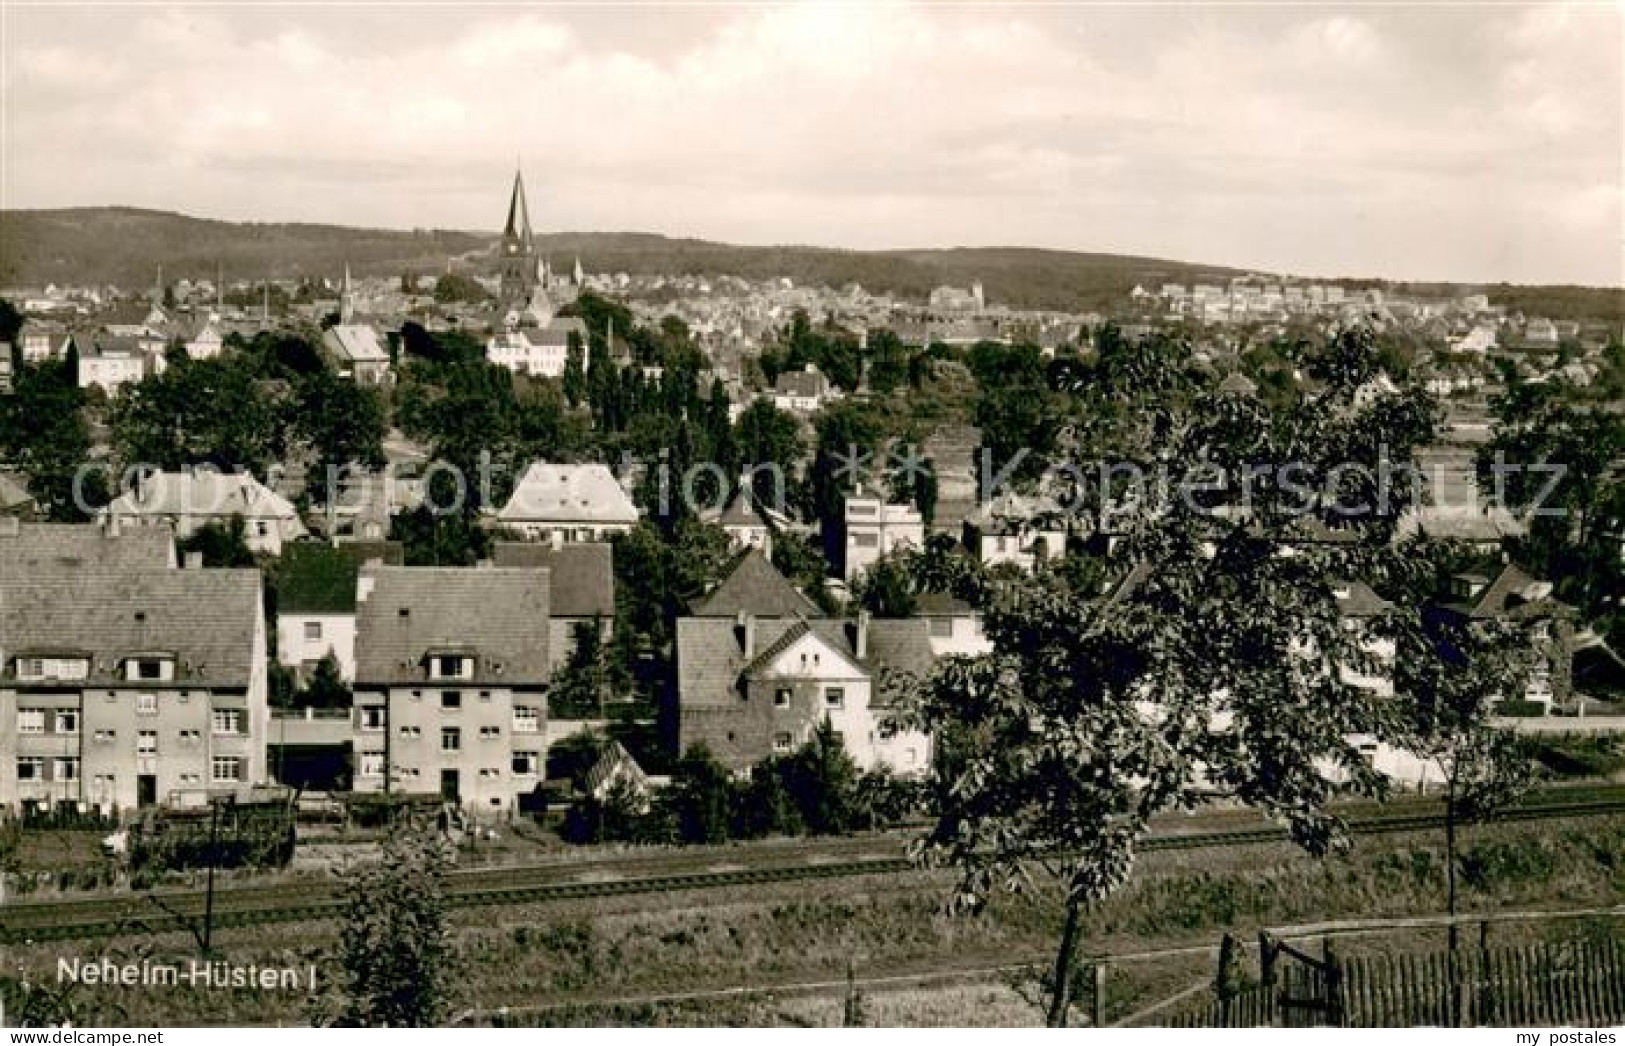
(518, 227)
(346, 298)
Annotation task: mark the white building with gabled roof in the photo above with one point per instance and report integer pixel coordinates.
(564, 503)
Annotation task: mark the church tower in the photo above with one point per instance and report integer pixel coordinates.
(518, 250)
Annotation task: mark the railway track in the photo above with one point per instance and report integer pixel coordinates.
(177, 911)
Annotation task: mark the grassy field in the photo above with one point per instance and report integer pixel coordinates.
(579, 962)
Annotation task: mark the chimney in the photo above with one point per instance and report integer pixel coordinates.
(111, 524)
(745, 624)
(363, 586)
(194, 561)
(860, 641)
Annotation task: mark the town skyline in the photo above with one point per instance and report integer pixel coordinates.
(1413, 145)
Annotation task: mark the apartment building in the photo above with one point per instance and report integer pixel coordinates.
(127, 688)
(452, 668)
(875, 529)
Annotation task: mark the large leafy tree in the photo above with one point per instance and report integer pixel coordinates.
(214, 412)
(765, 435)
(43, 432)
(1449, 673)
(395, 954)
(1218, 669)
(1557, 464)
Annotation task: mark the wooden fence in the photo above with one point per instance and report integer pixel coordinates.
(1543, 985)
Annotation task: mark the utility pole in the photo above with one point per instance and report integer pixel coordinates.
(208, 896)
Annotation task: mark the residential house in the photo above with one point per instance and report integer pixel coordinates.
(754, 587)
(874, 529)
(44, 340)
(564, 503)
(1514, 596)
(316, 601)
(192, 499)
(359, 352)
(539, 350)
(31, 548)
(206, 341)
(110, 362)
(803, 391)
(955, 627)
(747, 524)
(123, 687)
(452, 670)
(581, 588)
(1016, 529)
(750, 688)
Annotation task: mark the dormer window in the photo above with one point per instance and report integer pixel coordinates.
(451, 666)
(39, 669)
(149, 669)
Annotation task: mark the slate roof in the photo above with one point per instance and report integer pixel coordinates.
(711, 657)
(314, 577)
(502, 615)
(37, 547)
(1512, 593)
(582, 582)
(356, 343)
(808, 383)
(205, 618)
(1356, 599)
(569, 493)
(754, 586)
(206, 493)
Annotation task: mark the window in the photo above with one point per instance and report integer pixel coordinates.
(65, 768)
(372, 764)
(30, 768)
(525, 764)
(781, 697)
(490, 733)
(106, 783)
(67, 722)
(835, 697)
(451, 739)
(485, 695)
(451, 700)
(412, 732)
(146, 742)
(525, 720)
(146, 704)
(452, 666)
(226, 768)
(146, 668)
(372, 717)
(191, 738)
(31, 720)
(490, 772)
(189, 778)
(313, 630)
(106, 737)
(226, 721)
(781, 742)
(866, 540)
(31, 668)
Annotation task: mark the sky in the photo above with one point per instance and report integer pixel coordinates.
(1472, 143)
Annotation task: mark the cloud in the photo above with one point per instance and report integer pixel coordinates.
(1314, 141)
